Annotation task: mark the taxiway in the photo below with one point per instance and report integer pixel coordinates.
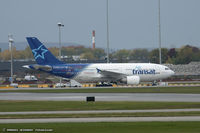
(102, 119)
(99, 111)
(169, 97)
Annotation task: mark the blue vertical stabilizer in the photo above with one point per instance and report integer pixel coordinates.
(41, 54)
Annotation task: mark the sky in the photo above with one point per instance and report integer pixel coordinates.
(132, 23)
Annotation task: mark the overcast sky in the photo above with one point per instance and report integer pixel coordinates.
(133, 23)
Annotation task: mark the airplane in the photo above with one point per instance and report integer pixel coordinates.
(128, 73)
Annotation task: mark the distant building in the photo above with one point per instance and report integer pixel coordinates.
(73, 57)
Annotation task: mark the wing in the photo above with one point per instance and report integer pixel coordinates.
(111, 74)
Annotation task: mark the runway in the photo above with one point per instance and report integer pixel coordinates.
(102, 119)
(98, 111)
(160, 97)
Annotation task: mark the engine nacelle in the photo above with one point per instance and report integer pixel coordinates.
(131, 80)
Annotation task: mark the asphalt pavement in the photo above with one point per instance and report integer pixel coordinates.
(98, 111)
(160, 97)
(102, 119)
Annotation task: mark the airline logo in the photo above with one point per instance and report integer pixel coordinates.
(138, 70)
(39, 52)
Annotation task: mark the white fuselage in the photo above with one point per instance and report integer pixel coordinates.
(145, 71)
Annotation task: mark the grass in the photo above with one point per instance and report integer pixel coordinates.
(14, 106)
(192, 89)
(143, 114)
(111, 127)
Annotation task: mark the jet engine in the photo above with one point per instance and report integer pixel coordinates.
(132, 80)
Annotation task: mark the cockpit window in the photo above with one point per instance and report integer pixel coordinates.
(167, 68)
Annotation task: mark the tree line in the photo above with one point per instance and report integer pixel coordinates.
(183, 55)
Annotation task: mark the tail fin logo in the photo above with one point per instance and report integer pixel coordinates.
(39, 52)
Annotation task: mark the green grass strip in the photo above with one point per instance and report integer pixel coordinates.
(143, 114)
(111, 127)
(13, 106)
